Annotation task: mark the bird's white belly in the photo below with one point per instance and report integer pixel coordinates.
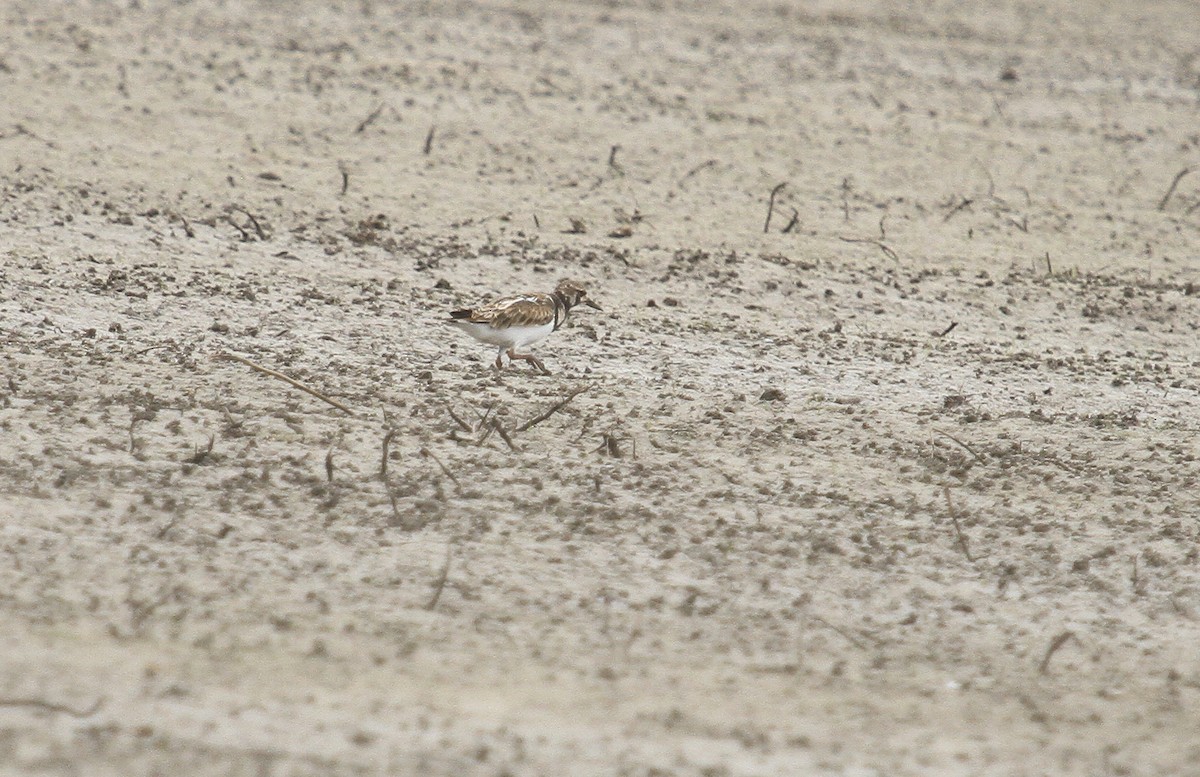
(509, 337)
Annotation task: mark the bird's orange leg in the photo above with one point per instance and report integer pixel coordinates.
(525, 357)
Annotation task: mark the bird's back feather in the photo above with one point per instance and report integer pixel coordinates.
(517, 310)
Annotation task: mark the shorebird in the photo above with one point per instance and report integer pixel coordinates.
(519, 320)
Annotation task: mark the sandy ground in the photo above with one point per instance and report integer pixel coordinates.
(905, 484)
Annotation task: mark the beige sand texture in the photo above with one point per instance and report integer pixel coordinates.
(903, 484)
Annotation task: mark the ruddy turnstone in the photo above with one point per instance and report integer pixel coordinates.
(514, 322)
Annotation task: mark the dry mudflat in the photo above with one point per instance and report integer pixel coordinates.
(902, 481)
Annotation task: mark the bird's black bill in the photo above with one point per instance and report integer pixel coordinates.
(591, 304)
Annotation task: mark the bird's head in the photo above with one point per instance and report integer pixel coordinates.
(573, 294)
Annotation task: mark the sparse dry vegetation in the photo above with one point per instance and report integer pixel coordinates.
(887, 470)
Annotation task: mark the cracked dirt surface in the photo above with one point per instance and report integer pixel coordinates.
(904, 484)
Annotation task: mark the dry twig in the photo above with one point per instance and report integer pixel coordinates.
(771, 205)
(50, 706)
(1162, 204)
(1055, 644)
(258, 230)
(448, 473)
(962, 444)
(397, 520)
(284, 378)
(858, 643)
(241, 230)
(696, 169)
(962, 538)
(966, 203)
(461, 423)
(187, 227)
(387, 440)
(500, 430)
(878, 243)
(612, 158)
(200, 454)
(535, 421)
(792, 224)
(362, 125)
(440, 585)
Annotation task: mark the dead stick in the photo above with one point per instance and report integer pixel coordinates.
(20, 128)
(1055, 644)
(858, 643)
(965, 447)
(239, 228)
(948, 329)
(487, 432)
(201, 454)
(362, 125)
(792, 224)
(504, 435)
(285, 379)
(461, 423)
(387, 440)
(771, 205)
(440, 585)
(429, 139)
(965, 203)
(696, 169)
(1162, 204)
(345, 180)
(880, 245)
(535, 421)
(396, 519)
(449, 474)
(187, 228)
(53, 707)
(257, 228)
(962, 539)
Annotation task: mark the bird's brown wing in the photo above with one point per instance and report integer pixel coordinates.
(519, 310)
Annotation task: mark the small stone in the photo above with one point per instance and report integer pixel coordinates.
(771, 394)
